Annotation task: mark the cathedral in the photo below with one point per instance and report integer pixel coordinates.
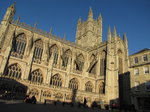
(36, 62)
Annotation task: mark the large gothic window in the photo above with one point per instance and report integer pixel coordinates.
(19, 45)
(54, 52)
(120, 62)
(73, 84)
(103, 64)
(38, 50)
(88, 86)
(36, 76)
(79, 62)
(56, 81)
(65, 58)
(14, 71)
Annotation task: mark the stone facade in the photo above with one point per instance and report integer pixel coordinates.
(54, 68)
(140, 79)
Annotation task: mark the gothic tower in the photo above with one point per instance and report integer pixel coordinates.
(89, 33)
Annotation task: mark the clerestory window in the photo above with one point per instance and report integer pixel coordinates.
(38, 50)
(19, 45)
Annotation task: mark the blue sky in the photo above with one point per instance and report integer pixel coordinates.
(130, 16)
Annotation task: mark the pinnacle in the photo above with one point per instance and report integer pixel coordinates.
(90, 15)
(100, 17)
(109, 31)
(115, 32)
(124, 36)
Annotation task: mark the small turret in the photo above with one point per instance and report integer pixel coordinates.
(90, 15)
(109, 35)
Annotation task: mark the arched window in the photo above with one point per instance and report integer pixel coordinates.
(65, 58)
(36, 76)
(34, 92)
(19, 45)
(73, 84)
(56, 81)
(14, 71)
(102, 88)
(54, 52)
(58, 95)
(120, 62)
(79, 62)
(103, 64)
(88, 86)
(38, 50)
(47, 94)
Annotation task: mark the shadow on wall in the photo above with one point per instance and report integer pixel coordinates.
(11, 89)
(140, 95)
(131, 98)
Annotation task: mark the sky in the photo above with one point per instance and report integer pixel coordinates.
(128, 16)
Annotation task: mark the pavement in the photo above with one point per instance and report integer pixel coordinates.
(20, 106)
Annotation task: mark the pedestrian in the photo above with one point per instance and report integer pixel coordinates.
(85, 101)
(44, 102)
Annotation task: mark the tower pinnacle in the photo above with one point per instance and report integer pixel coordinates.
(100, 17)
(90, 15)
(115, 32)
(109, 34)
(79, 20)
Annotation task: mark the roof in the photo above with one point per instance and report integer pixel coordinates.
(143, 50)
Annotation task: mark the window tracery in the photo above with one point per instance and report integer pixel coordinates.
(47, 94)
(56, 81)
(79, 62)
(38, 50)
(58, 95)
(73, 84)
(14, 71)
(103, 64)
(19, 45)
(34, 92)
(65, 58)
(88, 86)
(54, 52)
(36, 76)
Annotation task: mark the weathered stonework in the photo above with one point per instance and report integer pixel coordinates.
(90, 67)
